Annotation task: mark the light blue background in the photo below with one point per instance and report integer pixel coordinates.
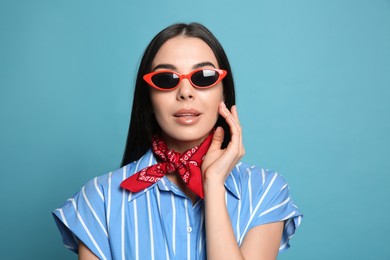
(313, 89)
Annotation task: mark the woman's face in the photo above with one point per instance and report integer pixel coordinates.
(186, 114)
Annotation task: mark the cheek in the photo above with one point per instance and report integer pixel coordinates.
(157, 99)
(215, 98)
(156, 109)
(211, 101)
(160, 105)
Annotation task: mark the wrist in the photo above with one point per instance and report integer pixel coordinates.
(214, 189)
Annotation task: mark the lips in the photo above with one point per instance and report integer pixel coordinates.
(187, 117)
(186, 113)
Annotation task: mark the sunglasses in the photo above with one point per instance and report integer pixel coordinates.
(200, 78)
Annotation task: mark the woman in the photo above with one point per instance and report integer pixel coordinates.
(181, 192)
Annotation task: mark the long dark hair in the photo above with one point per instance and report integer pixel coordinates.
(143, 124)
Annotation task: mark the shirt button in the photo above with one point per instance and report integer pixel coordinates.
(189, 229)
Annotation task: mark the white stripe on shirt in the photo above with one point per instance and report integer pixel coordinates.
(136, 238)
(93, 211)
(123, 217)
(235, 185)
(238, 220)
(150, 226)
(87, 230)
(257, 206)
(63, 218)
(97, 189)
(188, 234)
(275, 207)
(263, 176)
(109, 201)
(173, 224)
(200, 246)
(250, 190)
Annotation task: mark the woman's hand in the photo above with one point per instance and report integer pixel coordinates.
(261, 242)
(219, 162)
(221, 242)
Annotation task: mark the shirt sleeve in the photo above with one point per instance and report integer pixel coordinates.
(83, 217)
(275, 204)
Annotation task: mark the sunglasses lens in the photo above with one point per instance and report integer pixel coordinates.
(205, 78)
(165, 80)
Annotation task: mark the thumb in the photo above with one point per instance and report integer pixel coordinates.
(216, 143)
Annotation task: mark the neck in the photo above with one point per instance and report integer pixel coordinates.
(181, 146)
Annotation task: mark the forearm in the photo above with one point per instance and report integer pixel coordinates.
(220, 239)
(85, 253)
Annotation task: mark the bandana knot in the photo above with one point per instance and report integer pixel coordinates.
(187, 165)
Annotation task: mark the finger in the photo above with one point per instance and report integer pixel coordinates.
(217, 141)
(235, 114)
(235, 127)
(224, 111)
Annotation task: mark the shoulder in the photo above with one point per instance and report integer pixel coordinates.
(256, 177)
(112, 180)
(264, 198)
(254, 185)
(91, 213)
(109, 179)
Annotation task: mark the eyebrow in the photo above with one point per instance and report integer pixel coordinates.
(203, 64)
(165, 66)
(173, 67)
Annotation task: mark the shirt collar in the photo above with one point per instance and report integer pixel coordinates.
(164, 184)
(231, 183)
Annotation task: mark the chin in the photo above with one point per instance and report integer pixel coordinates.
(191, 137)
(186, 139)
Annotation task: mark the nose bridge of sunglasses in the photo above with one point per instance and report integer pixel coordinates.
(187, 77)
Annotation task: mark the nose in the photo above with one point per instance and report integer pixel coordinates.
(185, 91)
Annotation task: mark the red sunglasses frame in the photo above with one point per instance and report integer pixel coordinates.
(148, 78)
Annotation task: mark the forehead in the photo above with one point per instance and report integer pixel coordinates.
(182, 51)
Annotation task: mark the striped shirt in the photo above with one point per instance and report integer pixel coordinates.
(161, 222)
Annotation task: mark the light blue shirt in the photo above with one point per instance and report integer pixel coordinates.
(161, 222)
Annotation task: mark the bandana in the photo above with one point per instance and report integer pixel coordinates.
(187, 165)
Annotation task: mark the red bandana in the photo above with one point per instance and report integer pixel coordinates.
(186, 164)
